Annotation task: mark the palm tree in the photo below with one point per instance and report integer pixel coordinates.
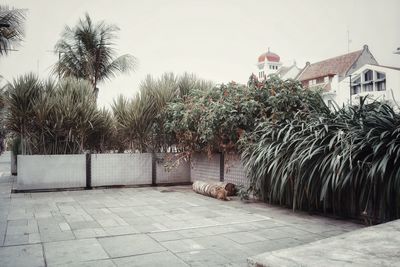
(87, 51)
(11, 28)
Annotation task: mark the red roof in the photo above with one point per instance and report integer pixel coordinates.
(337, 65)
(272, 57)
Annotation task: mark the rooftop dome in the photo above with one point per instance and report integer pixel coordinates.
(269, 56)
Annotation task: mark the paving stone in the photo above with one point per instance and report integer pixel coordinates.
(74, 251)
(271, 245)
(19, 239)
(89, 233)
(159, 259)
(121, 230)
(166, 236)
(95, 263)
(57, 235)
(202, 258)
(129, 245)
(111, 222)
(244, 237)
(64, 226)
(21, 256)
(84, 225)
(182, 245)
(217, 242)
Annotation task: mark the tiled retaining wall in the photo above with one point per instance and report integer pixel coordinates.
(210, 168)
(165, 175)
(234, 170)
(71, 171)
(121, 169)
(51, 171)
(205, 168)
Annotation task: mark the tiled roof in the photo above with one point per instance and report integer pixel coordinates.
(337, 65)
(272, 57)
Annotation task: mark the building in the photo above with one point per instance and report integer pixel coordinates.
(378, 82)
(270, 63)
(290, 72)
(332, 75)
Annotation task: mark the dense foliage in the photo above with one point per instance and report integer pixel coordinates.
(213, 120)
(56, 118)
(140, 121)
(11, 28)
(344, 162)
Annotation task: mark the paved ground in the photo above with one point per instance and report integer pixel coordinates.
(164, 226)
(368, 247)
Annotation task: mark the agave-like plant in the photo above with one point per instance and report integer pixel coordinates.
(344, 162)
(56, 118)
(11, 28)
(87, 51)
(140, 121)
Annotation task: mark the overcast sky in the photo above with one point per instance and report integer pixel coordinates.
(216, 39)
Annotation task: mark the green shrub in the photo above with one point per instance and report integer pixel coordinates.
(213, 120)
(56, 118)
(344, 162)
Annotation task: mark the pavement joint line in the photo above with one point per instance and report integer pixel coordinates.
(160, 243)
(204, 226)
(44, 255)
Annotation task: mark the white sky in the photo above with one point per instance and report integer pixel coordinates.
(217, 39)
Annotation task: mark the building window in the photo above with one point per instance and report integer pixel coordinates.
(355, 89)
(312, 82)
(368, 76)
(368, 87)
(381, 86)
(380, 76)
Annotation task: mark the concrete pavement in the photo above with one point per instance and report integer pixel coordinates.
(163, 226)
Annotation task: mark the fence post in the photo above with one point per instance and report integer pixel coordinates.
(88, 171)
(222, 167)
(153, 169)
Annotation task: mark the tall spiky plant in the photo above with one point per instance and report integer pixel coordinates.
(11, 28)
(344, 162)
(87, 51)
(57, 118)
(140, 121)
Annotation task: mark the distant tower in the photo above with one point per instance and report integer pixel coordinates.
(268, 63)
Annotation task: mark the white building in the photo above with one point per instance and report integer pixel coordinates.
(270, 63)
(290, 72)
(332, 75)
(377, 82)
